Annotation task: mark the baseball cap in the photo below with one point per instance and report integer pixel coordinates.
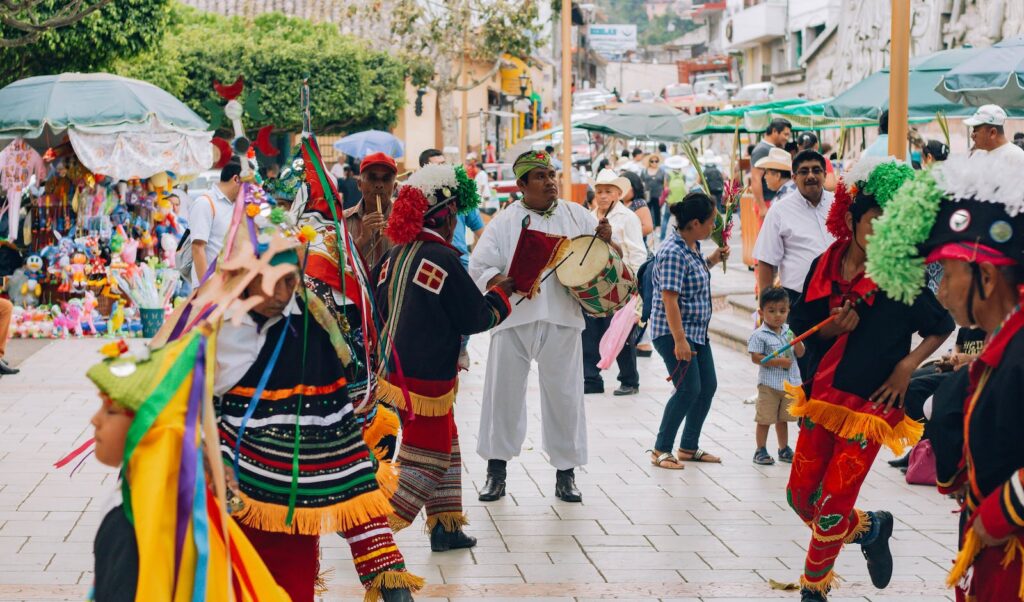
(987, 115)
(378, 159)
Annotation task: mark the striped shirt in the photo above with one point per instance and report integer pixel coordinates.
(764, 340)
(679, 268)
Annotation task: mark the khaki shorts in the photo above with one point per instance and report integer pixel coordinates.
(772, 406)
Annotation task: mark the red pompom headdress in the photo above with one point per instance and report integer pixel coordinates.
(407, 214)
(836, 222)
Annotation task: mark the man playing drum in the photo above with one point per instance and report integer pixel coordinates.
(546, 328)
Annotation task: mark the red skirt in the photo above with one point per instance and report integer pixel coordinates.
(293, 560)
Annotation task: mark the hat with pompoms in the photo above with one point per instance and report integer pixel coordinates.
(429, 193)
(873, 181)
(968, 209)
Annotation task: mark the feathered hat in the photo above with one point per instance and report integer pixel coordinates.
(969, 209)
(873, 180)
(430, 192)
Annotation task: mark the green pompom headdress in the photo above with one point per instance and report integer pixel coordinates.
(873, 181)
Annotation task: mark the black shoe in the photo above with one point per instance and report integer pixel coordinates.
(626, 390)
(442, 541)
(591, 388)
(900, 462)
(6, 368)
(494, 487)
(904, 469)
(396, 595)
(809, 595)
(565, 486)
(644, 352)
(877, 552)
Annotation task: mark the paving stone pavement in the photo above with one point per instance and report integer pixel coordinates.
(709, 532)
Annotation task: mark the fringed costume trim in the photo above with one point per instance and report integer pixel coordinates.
(314, 521)
(422, 405)
(849, 424)
(392, 580)
(450, 521)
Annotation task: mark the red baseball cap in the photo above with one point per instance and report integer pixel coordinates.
(378, 159)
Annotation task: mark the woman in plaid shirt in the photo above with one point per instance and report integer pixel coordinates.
(679, 329)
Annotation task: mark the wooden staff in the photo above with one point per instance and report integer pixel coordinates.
(812, 330)
(899, 78)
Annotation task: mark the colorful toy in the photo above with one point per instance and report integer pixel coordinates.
(76, 272)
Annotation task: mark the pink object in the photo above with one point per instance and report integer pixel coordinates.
(921, 470)
(614, 338)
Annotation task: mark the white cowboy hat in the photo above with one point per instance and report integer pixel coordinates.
(608, 177)
(709, 157)
(778, 159)
(677, 162)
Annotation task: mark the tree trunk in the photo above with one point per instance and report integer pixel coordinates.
(449, 120)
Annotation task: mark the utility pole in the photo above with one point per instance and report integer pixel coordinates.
(899, 78)
(566, 99)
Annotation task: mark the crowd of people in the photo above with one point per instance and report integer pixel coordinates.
(356, 344)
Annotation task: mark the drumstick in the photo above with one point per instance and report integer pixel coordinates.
(582, 259)
(549, 273)
(811, 331)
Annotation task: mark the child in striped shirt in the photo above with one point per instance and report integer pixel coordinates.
(772, 405)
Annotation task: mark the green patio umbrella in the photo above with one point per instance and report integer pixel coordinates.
(725, 121)
(91, 102)
(806, 116)
(991, 76)
(867, 99)
(641, 121)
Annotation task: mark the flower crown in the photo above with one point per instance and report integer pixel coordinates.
(428, 191)
(877, 177)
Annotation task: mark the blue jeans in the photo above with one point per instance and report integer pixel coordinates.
(695, 386)
(666, 217)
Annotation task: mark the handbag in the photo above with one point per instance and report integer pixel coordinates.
(618, 332)
(921, 468)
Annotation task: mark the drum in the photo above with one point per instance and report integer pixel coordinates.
(597, 279)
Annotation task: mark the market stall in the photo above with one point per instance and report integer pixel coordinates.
(87, 173)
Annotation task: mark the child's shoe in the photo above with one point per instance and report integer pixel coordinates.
(786, 455)
(761, 457)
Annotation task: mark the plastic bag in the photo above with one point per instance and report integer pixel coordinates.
(614, 338)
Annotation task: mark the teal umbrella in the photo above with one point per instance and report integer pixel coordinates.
(867, 99)
(725, 121)
(641, 121)
(89, 102)
(991, 76)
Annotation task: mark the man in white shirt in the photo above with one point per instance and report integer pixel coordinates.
(794, 231)
(988, 135)
(546, 328)
(628, 242)
(210, 219)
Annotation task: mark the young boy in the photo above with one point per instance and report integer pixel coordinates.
(771, 408)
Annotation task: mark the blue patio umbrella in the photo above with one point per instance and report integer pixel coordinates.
(371, 141)
(992, 76)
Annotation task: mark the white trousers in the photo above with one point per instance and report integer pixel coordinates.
(558, 351)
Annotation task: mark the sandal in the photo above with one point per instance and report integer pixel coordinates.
(786, 455)
(762, 458)
(698, 456)
(659, 460)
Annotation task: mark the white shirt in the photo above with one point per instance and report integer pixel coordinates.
(1007, 150)
(209, 223)
(492, 255)
(239, 346)
(793, 235)
(627, 233)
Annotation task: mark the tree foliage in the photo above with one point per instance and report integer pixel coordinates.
(119, 29)
(353, 87)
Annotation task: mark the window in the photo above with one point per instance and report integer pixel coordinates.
(798, 49)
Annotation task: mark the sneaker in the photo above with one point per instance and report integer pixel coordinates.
(626, 390)
(786, 455)
(750, 400)
(762, 458)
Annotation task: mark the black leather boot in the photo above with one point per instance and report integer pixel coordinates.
(396, 595)
(442, 541)
(565, 486)
(809, 595)
(494, 487)
(877, 552)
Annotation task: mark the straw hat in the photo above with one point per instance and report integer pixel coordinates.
(608, 177)
(677, 162)
(778, 158)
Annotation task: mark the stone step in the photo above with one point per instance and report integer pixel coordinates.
(729, 327)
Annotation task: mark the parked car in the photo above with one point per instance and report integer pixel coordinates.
(677, 92)
(591, 98)
(581, 153)
(754, 93)
(721, 81)
(503, 186)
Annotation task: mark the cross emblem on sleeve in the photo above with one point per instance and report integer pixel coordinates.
(430, 276)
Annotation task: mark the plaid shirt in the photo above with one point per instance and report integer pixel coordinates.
(679, 268)
(764, 340)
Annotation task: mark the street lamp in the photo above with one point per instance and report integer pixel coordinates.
(524, 83)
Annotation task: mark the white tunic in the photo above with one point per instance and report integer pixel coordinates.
(492, 255)
(793, 235)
